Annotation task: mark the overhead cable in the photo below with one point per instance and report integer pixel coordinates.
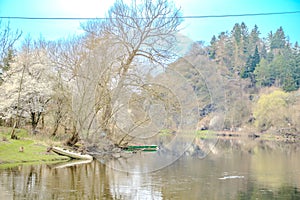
(181, 17)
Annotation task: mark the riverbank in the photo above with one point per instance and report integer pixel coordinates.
(286, 137)
(34, 149)
(24, 150)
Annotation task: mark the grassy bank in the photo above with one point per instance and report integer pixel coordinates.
(23, 150)
(285, 137)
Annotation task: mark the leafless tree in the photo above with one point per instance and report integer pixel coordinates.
(7, 39)
(138, 35)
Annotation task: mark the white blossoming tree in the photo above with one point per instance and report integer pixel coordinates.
(27, 87)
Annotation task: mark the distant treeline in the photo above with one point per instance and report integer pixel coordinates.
(271, 61)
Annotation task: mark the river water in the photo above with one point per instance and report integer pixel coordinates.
(233, 169)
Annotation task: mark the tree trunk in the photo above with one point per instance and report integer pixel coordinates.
(55, 129)
(74, 139)
(43, 121)
(34, 121)
(13, 135)
(57, 123)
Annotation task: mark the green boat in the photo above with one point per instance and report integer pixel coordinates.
(141, 148)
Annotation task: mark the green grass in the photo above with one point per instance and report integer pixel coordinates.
(34, 151)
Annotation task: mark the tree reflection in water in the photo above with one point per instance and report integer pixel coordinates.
(187, 178)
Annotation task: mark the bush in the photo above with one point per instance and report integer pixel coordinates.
(272, 110)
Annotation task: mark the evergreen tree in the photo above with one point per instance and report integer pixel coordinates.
(250, 66)
(6, 63)
(263, 74)
(245, 38)
(296, 65)
(296, 48)
(289, 83)
(263, 53)
(254, 39)
(212, 48)
(270, 56)
(255, 60)
(265, 62)
(237, 33)
(278, 40)
(239, 44)
(269, 40)
(278, 68)
(224, 51)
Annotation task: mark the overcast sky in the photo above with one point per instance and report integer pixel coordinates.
(196, 29)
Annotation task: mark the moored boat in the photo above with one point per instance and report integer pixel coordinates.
(141, 148)
(71, 154)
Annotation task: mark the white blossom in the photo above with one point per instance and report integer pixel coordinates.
(33, 89)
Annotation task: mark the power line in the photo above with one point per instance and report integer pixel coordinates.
(181, 17)
(242, 15)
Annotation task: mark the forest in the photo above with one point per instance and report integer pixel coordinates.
(119, 77)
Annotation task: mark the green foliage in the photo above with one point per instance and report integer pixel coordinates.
(278, 40)
(254, 39)
(8, 59)
(289, 83)
(250, 66)
(282, 71)
(237, 33)
(212, 48)
(263, 74)
(271, 110)
(6, 62)
(8, 39)
(271, 62)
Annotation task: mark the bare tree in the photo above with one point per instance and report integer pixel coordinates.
(75, 86)
(66, 57)
(140, 33)
(7, 40)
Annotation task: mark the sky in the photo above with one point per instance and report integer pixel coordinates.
(197, 29)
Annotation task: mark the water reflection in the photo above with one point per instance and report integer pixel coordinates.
(264, 171)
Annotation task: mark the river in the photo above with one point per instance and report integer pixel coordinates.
(234, 169)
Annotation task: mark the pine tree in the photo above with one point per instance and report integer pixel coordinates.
(255, 60)
(212, 48)
(224, 51)
(254, 39)
(278, 40)
(289, 84)
(263, 74)
(245, 38)
(264, 53)
(237, 33)
(250, 66)
(6, 63)
(240, 45)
